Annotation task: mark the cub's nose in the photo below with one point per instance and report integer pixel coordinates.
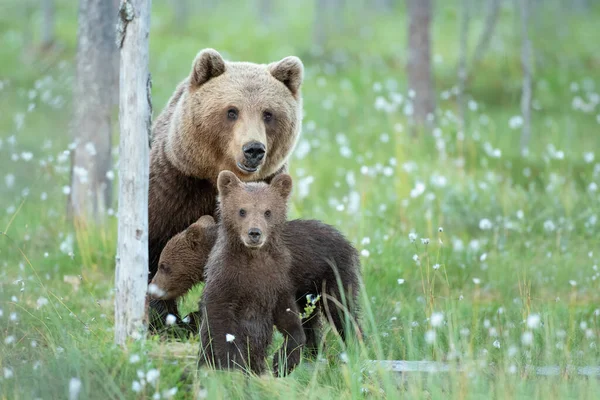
(254, 235)
(254, 153)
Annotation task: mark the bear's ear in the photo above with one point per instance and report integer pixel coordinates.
(208, 64)
(289, 71)
(193, 235)
(282, 184)
(205, 221)
(226, 182)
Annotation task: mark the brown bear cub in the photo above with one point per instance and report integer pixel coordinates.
(248, 287)
(318, 251)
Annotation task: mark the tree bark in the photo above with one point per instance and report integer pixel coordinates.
(181, 11)
(328, 19)
(420, 77)
(462, 62)
(48, 24)
(131, 277)
(526, 65)
(96, 82)
(488, 32)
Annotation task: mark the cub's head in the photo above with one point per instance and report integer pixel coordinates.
(239, 116)
(182, 261)
(253, 212)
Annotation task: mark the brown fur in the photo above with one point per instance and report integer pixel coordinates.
(194, 139)
(248, 288)
(316, 249)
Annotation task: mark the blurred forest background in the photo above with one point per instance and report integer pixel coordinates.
(454, 142)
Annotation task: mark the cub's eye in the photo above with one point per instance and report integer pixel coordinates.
(242, 212)
(268, 214)
(164, 268)
(232, 114)
(267, 116)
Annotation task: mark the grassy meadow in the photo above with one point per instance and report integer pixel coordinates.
(471, 253)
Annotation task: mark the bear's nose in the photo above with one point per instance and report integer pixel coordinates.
(254, 153)
(254, 234)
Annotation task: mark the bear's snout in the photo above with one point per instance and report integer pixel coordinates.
(255, 235)
(254, 153)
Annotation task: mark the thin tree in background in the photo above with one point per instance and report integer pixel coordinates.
(181, 10)
(95, 84)
(489, 27)
(131, 274)
(420, 77)
(462, 62)
(328, 19)
(526, 65)
(48, 23)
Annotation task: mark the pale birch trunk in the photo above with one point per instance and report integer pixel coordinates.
(95, 84)
(526, 65)
(462, 62)
(420, 76)
(489, 28)
(131, 276)
(48, 23)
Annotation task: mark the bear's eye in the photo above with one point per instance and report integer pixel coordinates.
(232, 114)
(268, 214)
(242, 212)
(267, 116)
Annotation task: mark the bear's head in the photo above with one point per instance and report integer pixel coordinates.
(253, 212)
(237, 116)
(182, 261)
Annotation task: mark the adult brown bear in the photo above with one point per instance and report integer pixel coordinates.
(236, 116)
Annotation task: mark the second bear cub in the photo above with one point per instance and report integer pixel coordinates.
(248, 287)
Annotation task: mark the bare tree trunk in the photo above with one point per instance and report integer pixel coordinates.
(420, 77)
(488, 32)
(328, 19)
(131, 276)
(48, 24)
(462, 62)
(526, 64)
(181, 10)
(96, 82)
(265, 8)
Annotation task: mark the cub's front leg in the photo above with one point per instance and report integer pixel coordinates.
(288, 322)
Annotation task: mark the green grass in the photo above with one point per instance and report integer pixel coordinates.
(539, 257)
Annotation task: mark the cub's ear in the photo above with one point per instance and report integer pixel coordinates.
(193, 235)
(205, 221)
(226, 182)
(208, 64)
(282, 184)
(289, 71)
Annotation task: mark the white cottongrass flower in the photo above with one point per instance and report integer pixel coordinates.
(74, 388)
(476, 281)
(515, 122)
(485, 224)
(365, 253)
(436, 319)
(496, 344)
(136, 386)
(436, 266)
(527, 338)
(42, 301)
(549, 226)
(153, 289)
(533, 321)
(229, 338)
(415, 258)
(400, 281)
(171, 319)
(573, 283)
(430, 336)
(169, 393)
(412, 237)
(365, 241)
(8, 373)
(152, 375)
(344, 357)
(440, 229)
(425, 241)
(134, 359)
(9, 339)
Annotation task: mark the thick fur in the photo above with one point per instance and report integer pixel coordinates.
(318, 250)
(248, 287)
(194, 139)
